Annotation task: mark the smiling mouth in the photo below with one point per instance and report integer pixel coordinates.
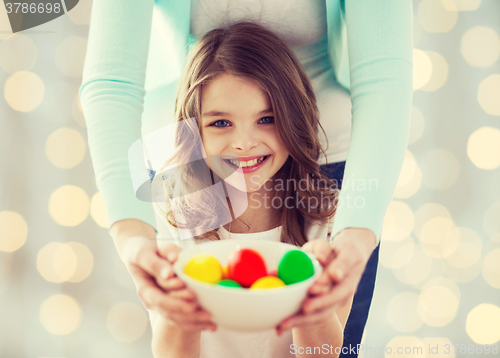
(248, 164)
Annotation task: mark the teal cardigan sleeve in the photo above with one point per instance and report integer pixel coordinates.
(372, 54)
(112, 97)
(112, 93)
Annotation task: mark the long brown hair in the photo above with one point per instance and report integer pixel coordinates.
(249, 50)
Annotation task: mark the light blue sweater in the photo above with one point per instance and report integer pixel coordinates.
(370, 47)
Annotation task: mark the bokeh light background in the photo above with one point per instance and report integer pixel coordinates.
(66, 293)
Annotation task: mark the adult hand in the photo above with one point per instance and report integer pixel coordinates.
(158, 286)
(344, 262)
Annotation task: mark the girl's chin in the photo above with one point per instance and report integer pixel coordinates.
(249, 188)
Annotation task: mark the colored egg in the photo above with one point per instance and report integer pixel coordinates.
(246, 266)
(267, 282)
(295, 266)
(225, 274)
(205, 268)
(229, 283)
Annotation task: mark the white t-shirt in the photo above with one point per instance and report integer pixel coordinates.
(229, 344)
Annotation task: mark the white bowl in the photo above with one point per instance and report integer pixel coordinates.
(246, 310)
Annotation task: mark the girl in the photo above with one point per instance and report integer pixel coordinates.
(246, 143)
(359, 51)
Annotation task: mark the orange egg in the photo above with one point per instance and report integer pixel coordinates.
(225, 274)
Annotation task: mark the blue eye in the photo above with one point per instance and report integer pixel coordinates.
(220, 123)
(267, 120)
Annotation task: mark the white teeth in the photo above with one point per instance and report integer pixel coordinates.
(246, 164)
(249, 163)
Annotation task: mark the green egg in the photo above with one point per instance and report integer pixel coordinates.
(229, 283)
(295, 266)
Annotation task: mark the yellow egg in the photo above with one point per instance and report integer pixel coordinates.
(204, 268)
(267, 282)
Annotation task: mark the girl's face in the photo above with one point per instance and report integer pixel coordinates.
(239, 134)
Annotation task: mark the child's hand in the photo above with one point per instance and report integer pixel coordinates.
(176, 289)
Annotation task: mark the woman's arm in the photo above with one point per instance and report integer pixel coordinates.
(380, 56)
(112, 96)
(125, 231)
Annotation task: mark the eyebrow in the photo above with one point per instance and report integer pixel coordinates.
(226, 114)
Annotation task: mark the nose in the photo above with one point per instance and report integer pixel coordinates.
(245, 140)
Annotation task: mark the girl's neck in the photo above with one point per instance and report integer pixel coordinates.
(254, 222)
(260, 214)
